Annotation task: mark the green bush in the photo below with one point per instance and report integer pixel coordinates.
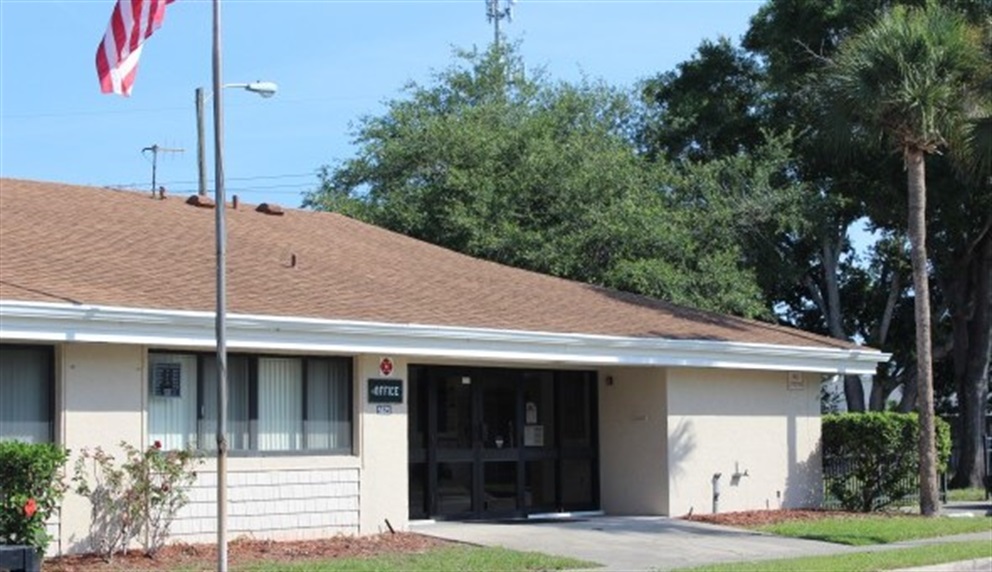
(30, 491)
(881, 453)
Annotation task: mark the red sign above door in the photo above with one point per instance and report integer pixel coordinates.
(386, 366)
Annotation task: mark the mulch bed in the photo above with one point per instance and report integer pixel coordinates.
(243, 551)
(756, 518)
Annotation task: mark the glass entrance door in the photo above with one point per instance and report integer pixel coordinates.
(499, 444)
(454, 446)
(492, 443)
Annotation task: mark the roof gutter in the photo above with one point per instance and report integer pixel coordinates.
(51, 322)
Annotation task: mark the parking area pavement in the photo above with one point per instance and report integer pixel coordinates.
(662, 543)
(967, 508)
(630, 543)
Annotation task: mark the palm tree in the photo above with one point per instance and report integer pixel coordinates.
(910, 78)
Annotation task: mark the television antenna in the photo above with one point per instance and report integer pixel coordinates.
(155, 150)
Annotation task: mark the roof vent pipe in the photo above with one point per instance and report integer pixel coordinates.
(234, 202)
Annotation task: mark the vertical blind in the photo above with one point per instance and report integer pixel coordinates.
(280, 404)
(238, 394)
(25, 394)
(274, 404)
(328, 424)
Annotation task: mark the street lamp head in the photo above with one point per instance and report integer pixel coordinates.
(263, 88)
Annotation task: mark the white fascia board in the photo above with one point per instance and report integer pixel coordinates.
(49, 322)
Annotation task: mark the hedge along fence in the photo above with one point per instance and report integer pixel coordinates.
(871, 460)
(30, 491)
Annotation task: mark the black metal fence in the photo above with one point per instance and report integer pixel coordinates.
(956, 452)
(839, 472)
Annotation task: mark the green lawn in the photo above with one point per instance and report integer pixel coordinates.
(966, 495)
(858, 561)
(454, 559)
(877, 529)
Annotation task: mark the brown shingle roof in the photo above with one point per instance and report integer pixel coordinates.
(66, 243)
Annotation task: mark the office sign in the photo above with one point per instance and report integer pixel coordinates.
(385, 390)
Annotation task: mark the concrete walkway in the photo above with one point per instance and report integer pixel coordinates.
(653, 543)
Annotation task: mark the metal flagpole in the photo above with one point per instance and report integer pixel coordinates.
(221, 322)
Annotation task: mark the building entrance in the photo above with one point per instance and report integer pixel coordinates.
(495, 443)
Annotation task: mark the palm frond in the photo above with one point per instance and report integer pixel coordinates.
(911, 76)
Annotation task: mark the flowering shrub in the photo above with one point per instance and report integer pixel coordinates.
(30, 492)
(137, 500)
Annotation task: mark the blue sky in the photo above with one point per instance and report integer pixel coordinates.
(334, 61)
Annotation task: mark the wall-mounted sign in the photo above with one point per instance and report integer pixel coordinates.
(386, 366)
(533, 435)
(385, 390)
(795, 381)
(384, 409)
(167, 380)
(530, 413)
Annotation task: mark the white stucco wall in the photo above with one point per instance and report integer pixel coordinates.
(632, 441)
(735, 421)
(101, 394)
(663, 434)
(102, 397)
(383, 448)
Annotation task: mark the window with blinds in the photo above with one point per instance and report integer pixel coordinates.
(26, 380)
(275, 404)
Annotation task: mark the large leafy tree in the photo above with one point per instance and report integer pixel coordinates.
(544, 175)
(793, 38)
(708, 107)
(833, 293)
(720, 102)
(910, 78)
(973, 325)
(723, 102)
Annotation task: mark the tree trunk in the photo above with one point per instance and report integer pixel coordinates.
(831, 259)
(880, 385)
(958, 292)
(973, 383)
(916, 183)
(909, 392)
(876, 398)
(854, 393)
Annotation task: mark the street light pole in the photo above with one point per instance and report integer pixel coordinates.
(201, 161)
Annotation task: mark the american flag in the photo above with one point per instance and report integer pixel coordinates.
(131, 23)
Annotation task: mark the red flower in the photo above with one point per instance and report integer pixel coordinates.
(30, 508)
(157, 445)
